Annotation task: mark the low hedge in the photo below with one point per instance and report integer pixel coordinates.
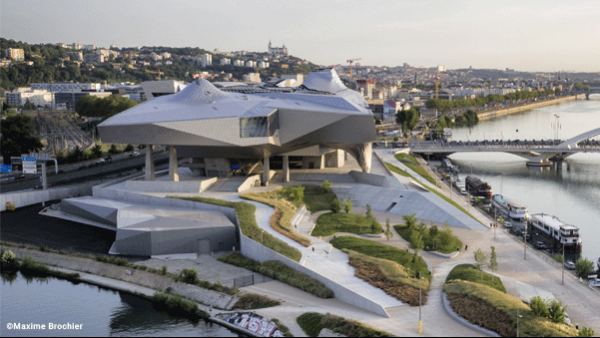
(251, 301)
(245, 213)
(280, 272)
(312, 323)
(329, 224)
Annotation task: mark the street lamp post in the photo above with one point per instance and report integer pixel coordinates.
(525, 240)
(518, 316)
(563, 261)
(420, 321)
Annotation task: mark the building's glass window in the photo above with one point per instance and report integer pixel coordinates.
(260, 126)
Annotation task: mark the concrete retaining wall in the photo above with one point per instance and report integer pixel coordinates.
(370, 179)
(258, 252)
(249, 183)
(168, 186)
(23, 199)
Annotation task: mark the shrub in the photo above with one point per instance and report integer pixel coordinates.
(584, 267)
(348, 205)
(9, 261)
(586, 332)
(312, 323)
(113, 149)
(335, 206)
(539, 306)
(556, 311)
(129, 148)
(433, 231)
(189, 276)
(297, 193)
(163, 270)
(326, 185)
(285, 331)
(178, 305)
(32, 268)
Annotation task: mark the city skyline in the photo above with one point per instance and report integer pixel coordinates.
(536, 36)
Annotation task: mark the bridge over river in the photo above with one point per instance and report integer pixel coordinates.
(538, 153)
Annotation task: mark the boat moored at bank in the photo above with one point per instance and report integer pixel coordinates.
(511, 210)
(556, 232)
(478, 188)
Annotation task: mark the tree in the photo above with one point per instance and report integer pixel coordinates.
(28, 105)
(113, 149)
(416, 241)
(297, 193)
(335, 206)
(348, 205)
(369, 212)
(410, 220)
(556, 311)
(97, 151)
(539, 306)
(433, 231)
(18, 137)
(493, 264)
(408, 119)
(129, 148)
(480, 261)
(388, 231)
(326, 185)
(584, 267)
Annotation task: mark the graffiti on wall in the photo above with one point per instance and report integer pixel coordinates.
(255, 323)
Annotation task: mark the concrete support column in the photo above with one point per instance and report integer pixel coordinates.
(286, 168)
(322, 162)
(173, 167)
(266, 170)
(150, 175)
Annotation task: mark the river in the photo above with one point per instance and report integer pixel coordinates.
(571, 193)
(102, 312)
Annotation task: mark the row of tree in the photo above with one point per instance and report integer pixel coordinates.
(445, 105)
(92, 106)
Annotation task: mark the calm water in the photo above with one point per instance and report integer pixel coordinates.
(572, 193)
(102, 312)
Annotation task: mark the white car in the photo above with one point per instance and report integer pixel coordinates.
(595, 283)
(508, 225)
(463, 191)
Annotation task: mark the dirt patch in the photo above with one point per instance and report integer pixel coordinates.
(276, 223)
(371, 273)
(482, 314)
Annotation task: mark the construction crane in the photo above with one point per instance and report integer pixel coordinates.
(437, 82)
(155, 72)
(350, 62)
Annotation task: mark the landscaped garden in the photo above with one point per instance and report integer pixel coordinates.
(433, 239)
(312, 323)
(329, 224)
(469, 272)
(247, 222)
(280, 272)
(412, 263)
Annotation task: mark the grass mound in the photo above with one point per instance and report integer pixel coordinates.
(329, 224)
(411, 162)
(389, 277)
(280, 272)
(442, 196)
(281, 220)
(245, 213)
(312, 323)
(177, 305)
(495, 310)
(251, 301)
(379, 250)
(470, 273)
(443, 241)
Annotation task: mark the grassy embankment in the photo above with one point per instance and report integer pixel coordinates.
(495, 310)
(442, 196)
(470, 273)
(177, 305)
(389, 276)
(280, 272)
(443, 241)
(312, 323)
(411, 162)
(251, 301)
(329, 224)
(245, 213)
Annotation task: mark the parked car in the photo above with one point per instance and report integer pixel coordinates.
(463, 191)
(508, 225)
(594, 283)
(101, 160)
(569, 265)
(108, 158)
(133, 154)
(540, 245)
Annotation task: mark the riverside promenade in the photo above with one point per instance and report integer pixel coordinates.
(493, 113)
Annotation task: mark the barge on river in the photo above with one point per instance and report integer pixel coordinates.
(477, 187)
(511, 210)
(556, 232)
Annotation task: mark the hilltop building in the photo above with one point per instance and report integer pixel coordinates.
(278, 50)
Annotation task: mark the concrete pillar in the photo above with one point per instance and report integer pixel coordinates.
(150, 175)
(286, 168)
(322, 162)
(266, 170)
(173, 167)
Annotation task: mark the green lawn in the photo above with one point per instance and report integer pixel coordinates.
(411, 162)
(245, 213)
(470, 273)
(442, 196)
(329, 224)
(315, 198)
(378, 250)
(312, 323)
(444, 241)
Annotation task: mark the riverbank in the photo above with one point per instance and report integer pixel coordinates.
(514, 110)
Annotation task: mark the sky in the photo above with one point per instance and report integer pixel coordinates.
(532, 35)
